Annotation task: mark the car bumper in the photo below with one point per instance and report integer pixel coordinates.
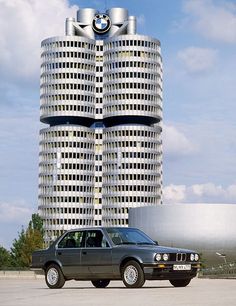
(166, 272)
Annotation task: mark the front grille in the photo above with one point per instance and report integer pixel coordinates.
(179, 257)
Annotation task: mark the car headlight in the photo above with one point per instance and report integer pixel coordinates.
(158, 257)
(165, 257)
(196, 257)
(192, 257)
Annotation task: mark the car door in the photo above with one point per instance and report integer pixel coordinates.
(68, 253)
(96, 256)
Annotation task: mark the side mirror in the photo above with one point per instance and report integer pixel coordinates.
(156, 242)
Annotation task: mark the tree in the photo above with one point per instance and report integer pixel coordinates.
(33, 240)
(5, 258)
(28, 241)
(37, 223)
(17, 249)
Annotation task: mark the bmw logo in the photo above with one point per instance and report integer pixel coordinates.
(101, 23)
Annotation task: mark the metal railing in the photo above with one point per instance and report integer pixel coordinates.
(227, 270)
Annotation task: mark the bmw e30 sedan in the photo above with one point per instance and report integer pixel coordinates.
(102, 254)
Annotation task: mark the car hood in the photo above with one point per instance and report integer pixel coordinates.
(158, 248)
(173, 250)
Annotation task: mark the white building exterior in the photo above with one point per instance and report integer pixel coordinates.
(101, 98)
(207, 228)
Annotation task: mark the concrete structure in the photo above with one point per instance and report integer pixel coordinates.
(20, 274)
(101, 97)
(207, 228)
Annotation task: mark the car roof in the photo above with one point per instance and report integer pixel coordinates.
(98, 227)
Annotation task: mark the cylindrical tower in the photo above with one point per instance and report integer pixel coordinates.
(132, 80)
(118, 16)
(67, 104)
(132, 108)
(132, 160)
(66, 158)
(67, 81)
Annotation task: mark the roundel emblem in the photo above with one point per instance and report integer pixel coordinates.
(101, 23)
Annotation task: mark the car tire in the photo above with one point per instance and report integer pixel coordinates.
(132, 275)
(180, 282)
(54, 277)
(101, 283)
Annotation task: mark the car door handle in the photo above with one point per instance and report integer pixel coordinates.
(58, 253)
(84, 252)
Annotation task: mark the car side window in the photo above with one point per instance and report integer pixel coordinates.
(72, 240)
(95, 239)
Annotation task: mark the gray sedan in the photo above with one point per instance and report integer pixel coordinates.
(113, 253)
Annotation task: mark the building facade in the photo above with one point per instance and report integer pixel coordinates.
(101, 99)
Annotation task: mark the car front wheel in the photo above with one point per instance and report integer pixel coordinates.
(101, 283)
(132, 275)
(54, 277)
(180, 282)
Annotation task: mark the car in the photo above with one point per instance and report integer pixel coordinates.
(102, 254)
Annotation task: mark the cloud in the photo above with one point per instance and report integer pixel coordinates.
(175, 143)
(198, 60)
(174, 193)
(213, 21)
(23, 24)
(207, 190)
(199, 193)
(15, 212)
(13, 216)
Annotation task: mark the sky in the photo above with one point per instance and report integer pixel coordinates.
(198, 40)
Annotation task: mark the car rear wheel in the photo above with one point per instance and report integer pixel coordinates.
(180, 282)
(54, 277)
(132, 275)
(101, 283)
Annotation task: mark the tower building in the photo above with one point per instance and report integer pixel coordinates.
(101, 99)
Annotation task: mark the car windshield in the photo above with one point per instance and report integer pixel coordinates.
(129, 236)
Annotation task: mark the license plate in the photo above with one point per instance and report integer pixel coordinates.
(182, 267)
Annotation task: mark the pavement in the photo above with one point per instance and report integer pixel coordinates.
(200, 292)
